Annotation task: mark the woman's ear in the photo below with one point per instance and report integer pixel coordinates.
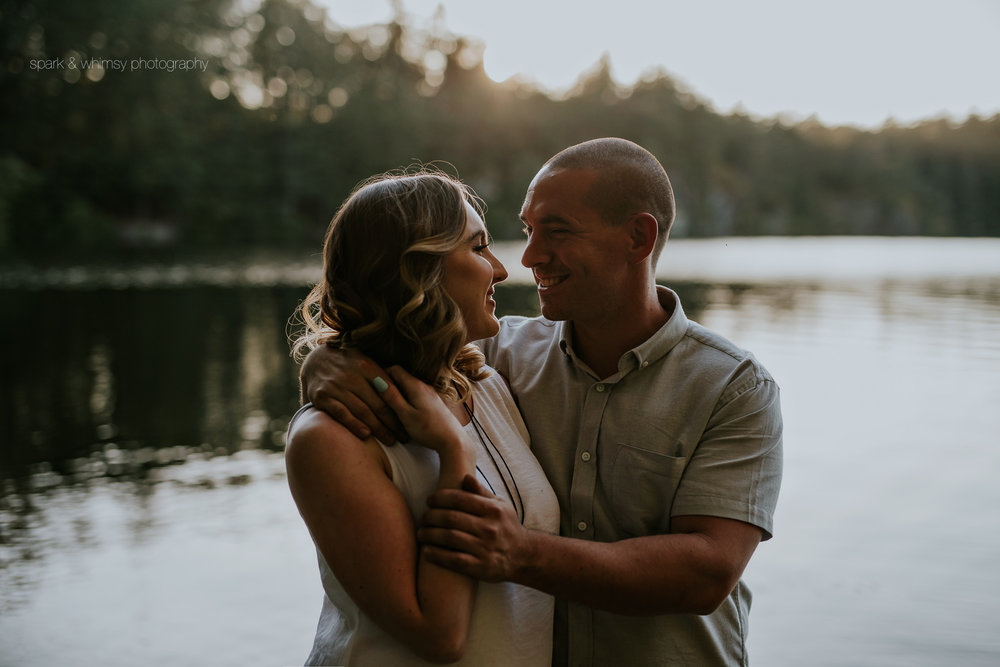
(642, 230)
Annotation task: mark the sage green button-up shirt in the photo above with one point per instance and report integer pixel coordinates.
(689, 425)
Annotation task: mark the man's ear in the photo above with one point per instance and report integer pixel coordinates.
(642, 229)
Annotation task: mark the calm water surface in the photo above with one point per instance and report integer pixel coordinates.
(145, 518)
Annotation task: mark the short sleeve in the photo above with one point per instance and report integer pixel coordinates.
(735, 471)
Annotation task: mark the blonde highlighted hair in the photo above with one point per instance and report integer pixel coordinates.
(383, 267)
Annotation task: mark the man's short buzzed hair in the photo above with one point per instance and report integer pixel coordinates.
(630, 180)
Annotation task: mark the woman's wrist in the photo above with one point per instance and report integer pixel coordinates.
(457, 454)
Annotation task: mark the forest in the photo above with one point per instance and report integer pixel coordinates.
(174, 126)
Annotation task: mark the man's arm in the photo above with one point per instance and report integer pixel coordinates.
(338, 382)
(735, 472)
(691, 570)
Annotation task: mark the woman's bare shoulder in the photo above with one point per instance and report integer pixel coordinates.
(315, 437)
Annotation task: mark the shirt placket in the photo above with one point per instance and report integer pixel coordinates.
(582, 490)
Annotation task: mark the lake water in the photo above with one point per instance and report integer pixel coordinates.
(145, 518)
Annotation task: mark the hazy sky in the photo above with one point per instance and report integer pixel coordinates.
(850, 62)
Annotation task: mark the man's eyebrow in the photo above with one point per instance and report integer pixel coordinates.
(548, 220)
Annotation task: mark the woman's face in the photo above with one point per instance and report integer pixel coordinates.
(470, 272)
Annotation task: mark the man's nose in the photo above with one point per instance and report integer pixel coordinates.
(535, 252)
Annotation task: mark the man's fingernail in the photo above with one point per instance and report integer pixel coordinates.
(380, 384)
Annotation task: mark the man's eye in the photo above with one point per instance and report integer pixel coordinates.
(526, 230)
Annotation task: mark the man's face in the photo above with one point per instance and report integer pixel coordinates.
(578, 260)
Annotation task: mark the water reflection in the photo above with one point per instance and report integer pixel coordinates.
(142, 429)
(98, 381)
(116, 382)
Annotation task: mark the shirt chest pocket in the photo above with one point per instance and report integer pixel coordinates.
(643, 484)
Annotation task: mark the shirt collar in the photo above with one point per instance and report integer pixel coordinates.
(653, 348)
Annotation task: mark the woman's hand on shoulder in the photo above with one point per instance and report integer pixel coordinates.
(423, 412)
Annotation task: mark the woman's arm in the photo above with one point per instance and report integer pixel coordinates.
(363, 526)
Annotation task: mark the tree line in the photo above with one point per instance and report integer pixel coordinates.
(187, 126)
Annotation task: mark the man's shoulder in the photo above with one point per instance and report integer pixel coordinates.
(524, 321)
(526, 329)
(710, 349)
(712, 342)
(520, 337)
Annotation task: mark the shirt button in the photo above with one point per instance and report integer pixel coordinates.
(600, 387)
(582, 526)
(585, 456)
(645, 363)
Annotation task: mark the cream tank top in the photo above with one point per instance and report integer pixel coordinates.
(511, 624)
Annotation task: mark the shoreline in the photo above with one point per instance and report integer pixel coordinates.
(759, 259)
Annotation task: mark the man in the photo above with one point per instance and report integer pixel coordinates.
(661, 439)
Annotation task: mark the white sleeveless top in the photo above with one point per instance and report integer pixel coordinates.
(511, 624)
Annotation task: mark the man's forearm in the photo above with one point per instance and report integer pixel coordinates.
(677, 573)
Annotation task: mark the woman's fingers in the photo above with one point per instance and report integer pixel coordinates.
(391, 395)
(407, 384)
(419, 395)
(338, 383)
(387, 426)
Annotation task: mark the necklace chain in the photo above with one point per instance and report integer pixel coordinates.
(480, 433)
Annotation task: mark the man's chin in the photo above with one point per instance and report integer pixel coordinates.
(551, 311)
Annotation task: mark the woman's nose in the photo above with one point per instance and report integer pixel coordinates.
(499, 270)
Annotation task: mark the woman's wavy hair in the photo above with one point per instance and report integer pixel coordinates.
(383, 268)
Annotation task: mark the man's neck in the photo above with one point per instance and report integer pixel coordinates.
(601, 345)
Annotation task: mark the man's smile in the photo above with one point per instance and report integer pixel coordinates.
(546, 282)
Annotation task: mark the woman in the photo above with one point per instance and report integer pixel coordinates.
(408, 281)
